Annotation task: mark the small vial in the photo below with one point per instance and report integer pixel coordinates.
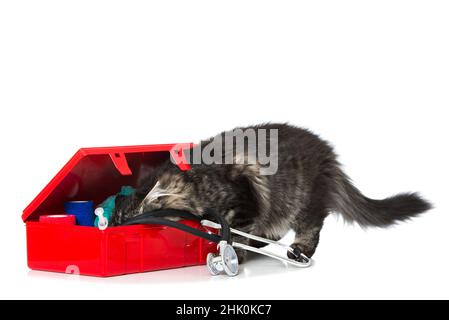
(102, 220)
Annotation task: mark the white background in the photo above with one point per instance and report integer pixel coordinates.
(372, 77)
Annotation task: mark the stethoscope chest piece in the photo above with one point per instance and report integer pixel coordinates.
(226, 260)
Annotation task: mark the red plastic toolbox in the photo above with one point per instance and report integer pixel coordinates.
(94, 174)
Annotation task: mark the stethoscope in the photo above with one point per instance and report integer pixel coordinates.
(226, 261)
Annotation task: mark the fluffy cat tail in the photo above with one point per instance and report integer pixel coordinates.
(355, 207)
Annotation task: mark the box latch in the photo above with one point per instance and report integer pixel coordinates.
(179, 157)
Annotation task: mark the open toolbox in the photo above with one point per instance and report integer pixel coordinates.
(94, 174)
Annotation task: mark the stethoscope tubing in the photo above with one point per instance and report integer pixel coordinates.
(158, 217)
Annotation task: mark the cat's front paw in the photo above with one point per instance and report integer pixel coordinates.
(298, 249)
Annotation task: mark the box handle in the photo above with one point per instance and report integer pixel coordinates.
(120, 162)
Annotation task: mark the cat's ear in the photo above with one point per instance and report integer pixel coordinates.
(149, 174)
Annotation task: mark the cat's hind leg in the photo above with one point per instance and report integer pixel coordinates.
(308, 222)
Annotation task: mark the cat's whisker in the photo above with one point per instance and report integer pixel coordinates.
(156, 195)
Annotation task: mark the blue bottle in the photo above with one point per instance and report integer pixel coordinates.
(82, 210)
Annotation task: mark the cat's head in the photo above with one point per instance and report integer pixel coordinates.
(168, 187)
(171, 190)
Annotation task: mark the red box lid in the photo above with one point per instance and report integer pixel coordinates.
(96, 173)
